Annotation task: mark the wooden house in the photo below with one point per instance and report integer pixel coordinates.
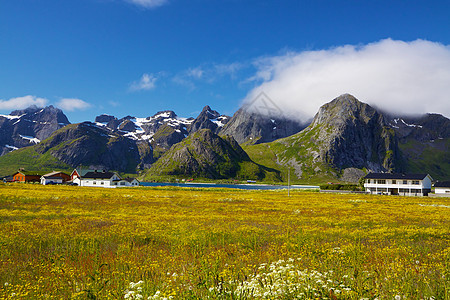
(398, 184)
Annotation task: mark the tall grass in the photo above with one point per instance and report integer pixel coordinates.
(87, 243)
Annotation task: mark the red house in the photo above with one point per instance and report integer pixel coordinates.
(26, 176)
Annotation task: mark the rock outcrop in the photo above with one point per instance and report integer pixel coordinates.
(29, 126)
(204, 154)
(87, 144)
(208, 119)
(253, 128)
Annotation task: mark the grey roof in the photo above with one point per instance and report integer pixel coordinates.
(98, 175)
(54, 173)
(442, 184)
(83, 172)
(398, 176)
(130, 179)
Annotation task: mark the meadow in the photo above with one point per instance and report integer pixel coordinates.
(60, 242)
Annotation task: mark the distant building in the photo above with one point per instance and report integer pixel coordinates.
(97, 178)
(398, 184)
(102, 178)
(442, 187)
(129, 182)
(55, 178)
(78, 173)
(27, 176)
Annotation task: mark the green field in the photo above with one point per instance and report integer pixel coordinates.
(60, 242)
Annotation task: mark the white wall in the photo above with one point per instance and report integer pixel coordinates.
(442, 190)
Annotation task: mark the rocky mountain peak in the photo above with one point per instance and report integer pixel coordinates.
(104, 118)
(212, 114)
(343, 109)
(29, 126)
(251, 127)
(352, 133)
(208, 119)
(205, 154)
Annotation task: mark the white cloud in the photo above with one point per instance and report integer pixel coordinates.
(401, 77)
(22, 102)
(147, 82)
(72, 104)
(195, 72)
(207, 73)
(149, 3)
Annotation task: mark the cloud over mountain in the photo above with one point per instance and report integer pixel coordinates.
(22, 102)
(405, 77)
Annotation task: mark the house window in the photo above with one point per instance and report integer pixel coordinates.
(394, 181)
(381, 181)
(416, 182)
(102, 183)
(405, 181)
(94, 182)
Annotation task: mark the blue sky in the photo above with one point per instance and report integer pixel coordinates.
(136, 57)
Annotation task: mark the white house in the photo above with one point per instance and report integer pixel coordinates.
(398, 184)
(129, 182)
(102, 178)
(81, 172)
(98, 178)
(442, 187)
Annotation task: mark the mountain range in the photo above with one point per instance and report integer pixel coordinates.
(346, 139)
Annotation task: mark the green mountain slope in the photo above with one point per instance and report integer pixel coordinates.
(76, 145)
(206, 155)
(345, 138)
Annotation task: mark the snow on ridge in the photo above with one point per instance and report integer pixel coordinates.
(10, 117)
(11, 147)
(217, 122)
(396, 120)
(30, 139)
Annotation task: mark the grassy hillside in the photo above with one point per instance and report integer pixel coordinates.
(206, 155)
(428, 157)
(30, 160)
(93, 243)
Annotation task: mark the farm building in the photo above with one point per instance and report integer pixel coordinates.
(97, 178)
(398, 184)
(442, 187)
(27, 176)
(102, 178)
(55, 177)
(130, 182)
(78, 173)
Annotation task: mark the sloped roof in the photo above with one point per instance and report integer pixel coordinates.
(83, 172)
(442, 184)
(99, 175)
(28, 173)
(52, 177)
(52, 174)
(129, 179)
(398, 176)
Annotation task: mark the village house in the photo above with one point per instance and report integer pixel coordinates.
(27, 176)
(442, 188)
(131, 181)
(55, 177)
(97, 178)
(78, 173)
(102, 178)
(398, 184)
